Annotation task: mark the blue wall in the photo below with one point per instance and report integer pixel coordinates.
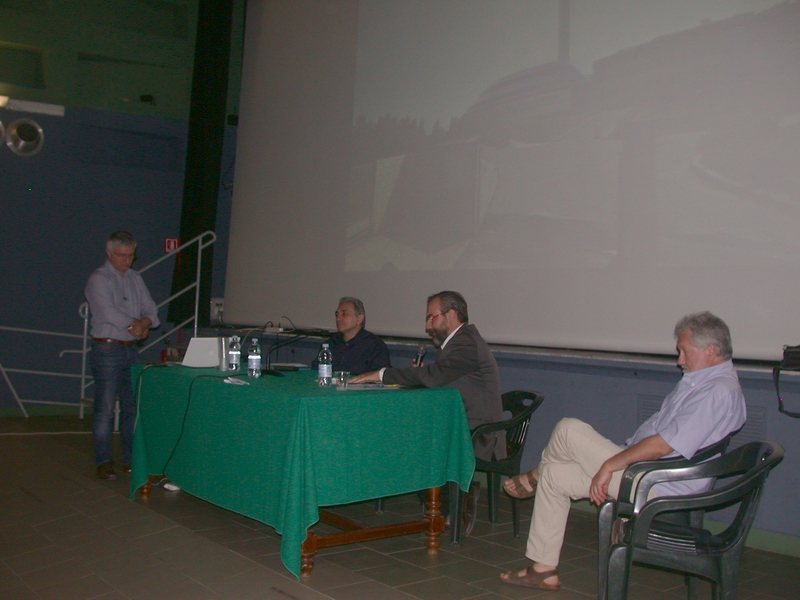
(97, 171)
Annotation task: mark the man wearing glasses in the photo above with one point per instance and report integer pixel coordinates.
(464, 362)
(121, 313)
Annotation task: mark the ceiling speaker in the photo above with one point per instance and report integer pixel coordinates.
(25, 137)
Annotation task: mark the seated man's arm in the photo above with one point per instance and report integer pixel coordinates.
(460, 360)
(650, 448)
(371, 377)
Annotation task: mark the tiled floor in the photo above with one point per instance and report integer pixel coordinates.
(65, 535)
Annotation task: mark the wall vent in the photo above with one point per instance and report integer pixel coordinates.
(646, 406)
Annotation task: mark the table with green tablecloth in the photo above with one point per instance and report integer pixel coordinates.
(280, 448)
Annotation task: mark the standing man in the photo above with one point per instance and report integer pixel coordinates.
(122, 312)
(705, 406)
(464, 362)
(355, 349)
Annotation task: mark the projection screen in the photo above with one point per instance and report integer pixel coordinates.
(585, 173)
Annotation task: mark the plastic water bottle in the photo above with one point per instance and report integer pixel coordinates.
(254, 359)
(325, 369)
(234, 354)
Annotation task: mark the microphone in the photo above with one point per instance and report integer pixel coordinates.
(296, 337)
(422, 350)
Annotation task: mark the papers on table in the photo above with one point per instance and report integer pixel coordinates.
(371, 386)
(279, 366)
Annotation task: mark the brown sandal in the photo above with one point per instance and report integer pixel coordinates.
(532, 579)
(522, 486)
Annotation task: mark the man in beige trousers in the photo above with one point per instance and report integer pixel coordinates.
(706, 405)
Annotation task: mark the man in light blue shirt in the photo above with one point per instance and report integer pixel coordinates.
(705, 406)
(121, 313)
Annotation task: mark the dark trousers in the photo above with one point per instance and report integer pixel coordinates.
(111, 368)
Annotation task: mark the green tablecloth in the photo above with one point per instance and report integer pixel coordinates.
(278, 449)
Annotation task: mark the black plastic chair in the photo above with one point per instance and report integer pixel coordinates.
(646, 537)
(521, 404)
(623, 507)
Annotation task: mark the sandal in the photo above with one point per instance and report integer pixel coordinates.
(522, 486)
(532, 579)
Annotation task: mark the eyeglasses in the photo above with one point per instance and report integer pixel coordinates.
(125, 256)
(430, 318)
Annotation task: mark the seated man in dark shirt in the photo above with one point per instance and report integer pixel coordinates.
(355, 349)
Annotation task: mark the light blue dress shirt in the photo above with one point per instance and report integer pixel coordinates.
(705, 406)
(116, 300)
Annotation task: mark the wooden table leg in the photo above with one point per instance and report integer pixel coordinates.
(354, 531)
(308, 550)
(436, 519)
(148, 487)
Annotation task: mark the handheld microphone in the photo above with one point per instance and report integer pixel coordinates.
(422, 350)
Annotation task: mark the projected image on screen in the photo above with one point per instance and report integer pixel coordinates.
(585, 172)
(559, 150)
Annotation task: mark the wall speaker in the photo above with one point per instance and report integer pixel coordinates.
(25, 137)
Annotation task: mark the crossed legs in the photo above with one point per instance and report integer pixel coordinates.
(573, 455)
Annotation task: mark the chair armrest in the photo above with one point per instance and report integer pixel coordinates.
(718, 497)
(665, 474)
(634, 471)
(647, 466)
(750, 464)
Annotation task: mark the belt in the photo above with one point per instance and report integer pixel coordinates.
(113, 341)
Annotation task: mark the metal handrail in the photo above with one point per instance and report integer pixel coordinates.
(203, 240)
(5, 371)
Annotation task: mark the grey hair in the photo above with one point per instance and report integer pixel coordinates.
(120, 238)
(707, 329)
(358, 307)
(452, 301)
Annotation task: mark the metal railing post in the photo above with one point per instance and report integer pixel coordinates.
(83, 311)
(13, 391)
(197, 288)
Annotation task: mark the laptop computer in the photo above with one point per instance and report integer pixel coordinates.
(202, 352)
